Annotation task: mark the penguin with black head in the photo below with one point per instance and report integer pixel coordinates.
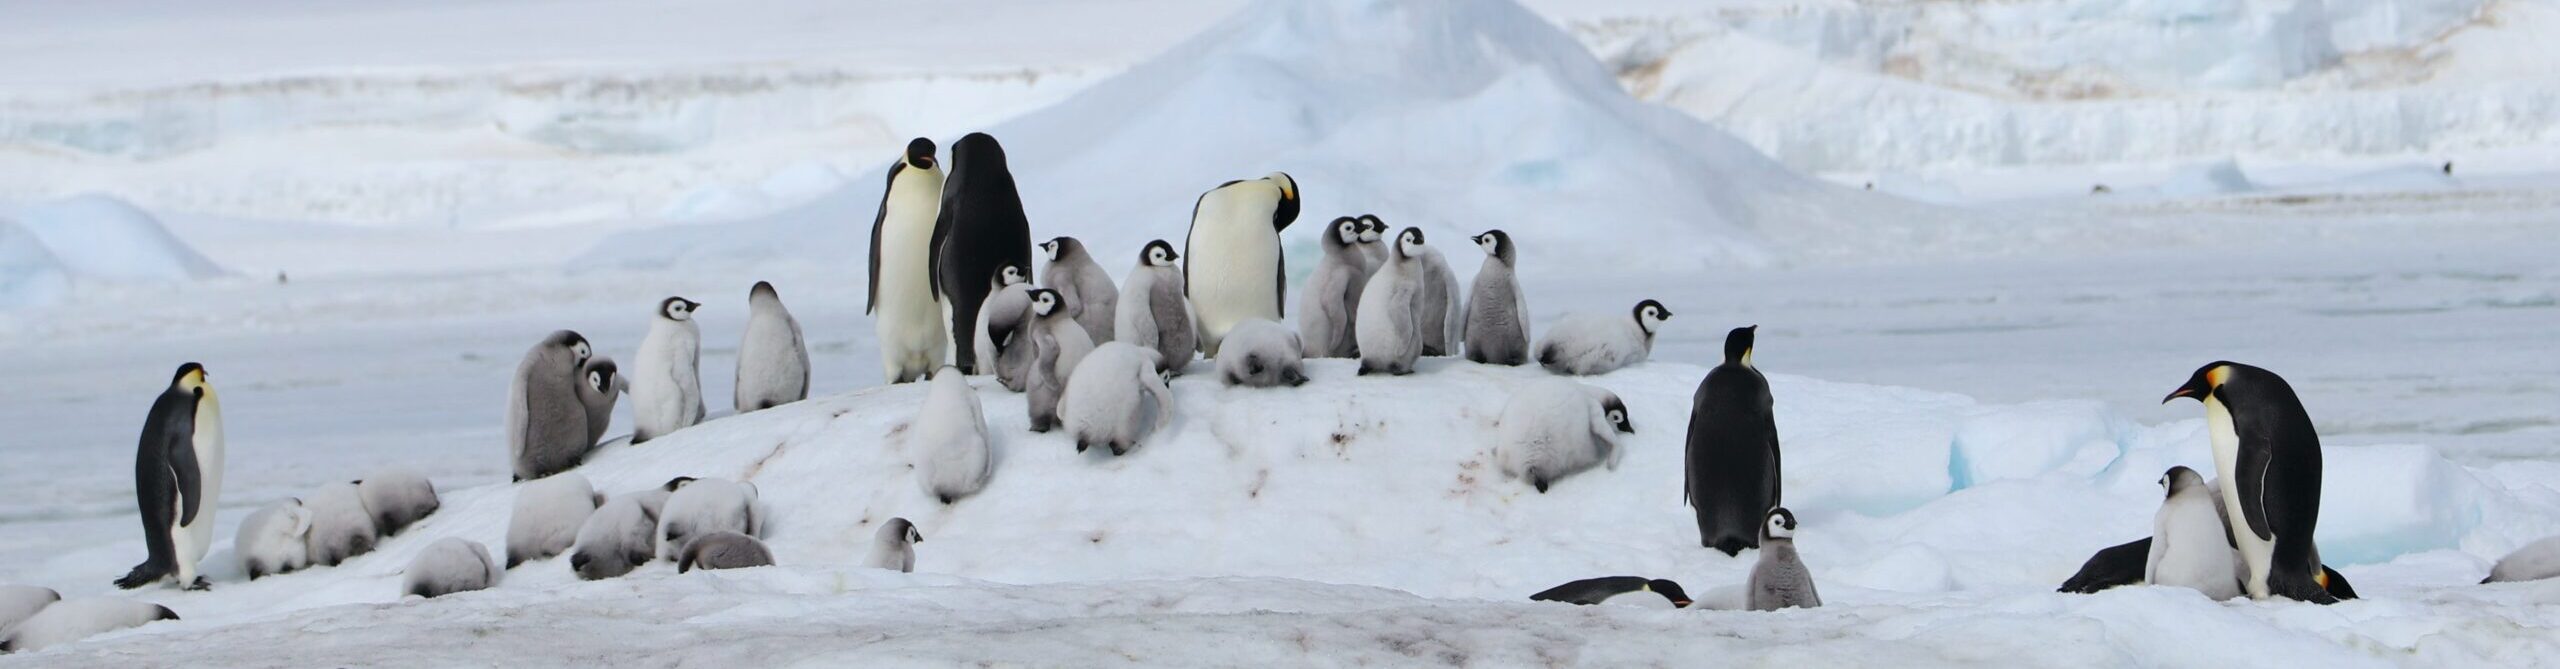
(2268, 454)
(1733, 449)
(177, 477)
(981, 228)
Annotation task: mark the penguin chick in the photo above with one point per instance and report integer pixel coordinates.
(2535, 561)
(666, 380)
(619, 537)
(272, 540)
(1497, 314)
(1057, 345)
(894, 546)
(1780, 579)
(1331, 298)
(706, 505)
(547, 515)
(1001, 322)
(1389, 324)
(341, 528)
(1591, 344)
(397, 497)
(1261, 354)
(600, 386)
(723, 550)
(1110, 396)
(1556, 428)
(1439, 312)
(546, 422)
(71, 620)
(773, 361)
(950, 435)
(2189, 546)
(1091, 298)
(20, 602)
(450, 565)
(1155, 313)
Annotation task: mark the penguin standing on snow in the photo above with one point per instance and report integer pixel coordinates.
(1497, 315)
(2190, 546)
(904, 313)
(177, 479)
(548, 427)
(666, 383)
(773, 362)
(998, 337)
(894, 546)
(1332, 294)
(1733, 450)
(1154, 315)
(1591, 344)
(602, 384)
(1638, 591)
(1389, 324)
(1373, 247)
(1780, 579)
(2269, 458)
(1235, 249)
(949, 438)
(1441, 313)
(1091, 298)
(981, 228)
(1057, 344)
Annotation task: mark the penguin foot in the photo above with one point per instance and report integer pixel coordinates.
(1081, 445)
(142, 575)
(946, 499)
(1296, 380)
(200, 585)
(1540, 484)
(1365, 370)
(1118, 449)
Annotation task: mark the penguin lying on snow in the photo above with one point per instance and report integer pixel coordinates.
(2137, 561)
(1653, 593)
(2123, 564)
(341, 528)
(1262, 354)
(723, 550)
(273, 540)
(20, 602)
(619, 537)
(2535, 561)
(2268, 454)
(450, 565)
(707, 505)
(75, 619)
(893, 547)
(1110, 396)
(547, 515)
(397, 497)
(1590, 344)
(1556, 428)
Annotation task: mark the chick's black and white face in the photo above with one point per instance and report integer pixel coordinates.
(678, 309)
(1780, 527)
(580, 351)
(1051, 249)
(1376, 230)
(1013, 276)
(1160, 254)
(1410, 241)
(1650, 315)
(1349, 230)
(1492, 246)
(1044, 302)
(596, 380)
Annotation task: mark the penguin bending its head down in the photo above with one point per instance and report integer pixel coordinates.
(1497, 313)
(450, 565)
(1002, 318)
(1092, 300)
(548, 422)
(177, 479)
(666, 380)
(773, 361)
(1110, 397)
(906, 315)
(1589, 344)
(1780, 580)
(2268, 454)
(397, 497)
(546, 517)
(1732, 461)
(1655, 593)
(981, 228)
(1233, 262)
(1262, 354)
(1389, 324)
(1154, 314)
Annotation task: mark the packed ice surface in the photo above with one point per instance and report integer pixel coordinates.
(45, 249)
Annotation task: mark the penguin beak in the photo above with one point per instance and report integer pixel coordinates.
(1680, 603)
(2195, 388)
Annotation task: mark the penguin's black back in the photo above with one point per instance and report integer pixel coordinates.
(1732, 463)
(2121, 564)
(1591, 590)
(981, 229)
(168, 435)
(2269, 417)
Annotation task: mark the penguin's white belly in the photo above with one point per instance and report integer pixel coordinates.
(2258, 553)
(908, 318)
(2195, 555)
(209, 449)
(1234, 276)
(1640, 599)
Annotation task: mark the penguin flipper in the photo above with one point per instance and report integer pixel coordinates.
(2121, 564)
(2254, 464)
(189, 477)
(878, 222)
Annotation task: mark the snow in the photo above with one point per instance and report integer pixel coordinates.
(49, 248)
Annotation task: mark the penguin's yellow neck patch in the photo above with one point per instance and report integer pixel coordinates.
(2217, 376)
(2321, 578)
(1746, 358)
(194, 380)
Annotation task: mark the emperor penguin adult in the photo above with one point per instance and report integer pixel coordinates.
(548, 428)
(666, 381)
(1780, 580)
(1554, 428)
(999, 332)
(949, 438)
(1091, 297)
(1636, 591)
(904, 311)
(2190, 546)
(177, 480)
(1057, 344)
(2268, 454)
(1154, 313)
(1232, 261)
(1389, 325)
(981, 228)
(773, 361)
(602, 383)
(1441, 312)
(1110, 396)
(1592, 344)
(1497, 315)
(1732, 460)
(1331, 298)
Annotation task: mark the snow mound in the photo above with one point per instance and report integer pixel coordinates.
(1264, 503)
(29, 274)
(1453, 116)
(101, 237)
